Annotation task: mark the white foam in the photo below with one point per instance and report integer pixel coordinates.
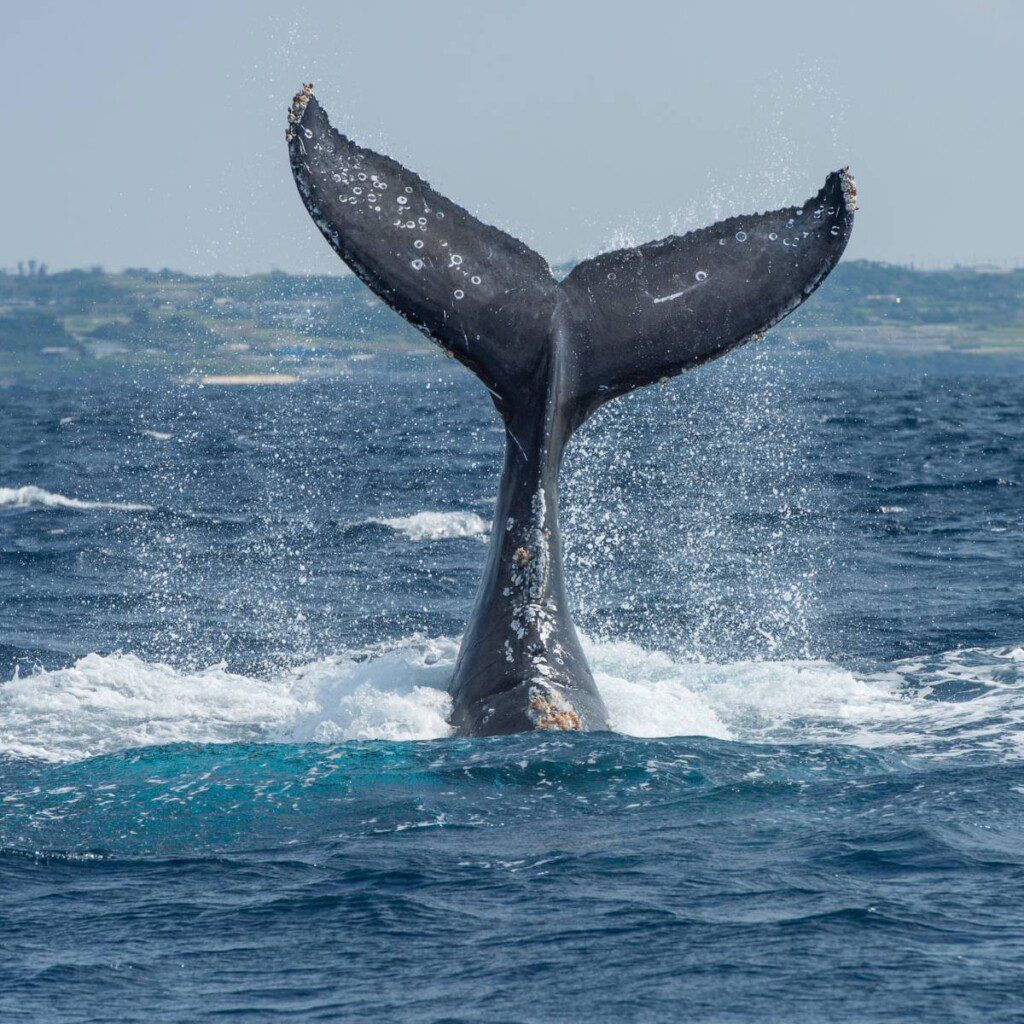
(157, 435)
(438, 525)
(36, 497)
(107, 703)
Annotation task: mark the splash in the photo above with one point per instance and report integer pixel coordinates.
(398, 692)
(102, 704)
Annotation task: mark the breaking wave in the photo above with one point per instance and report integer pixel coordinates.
(438, 525)
(37, 497)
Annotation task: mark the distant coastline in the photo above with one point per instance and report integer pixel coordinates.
(292, 325)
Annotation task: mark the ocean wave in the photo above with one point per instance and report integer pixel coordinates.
(104, 704)
(36, 497)
(438, 525)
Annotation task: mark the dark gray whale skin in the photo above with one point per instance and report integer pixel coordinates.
(550, 353)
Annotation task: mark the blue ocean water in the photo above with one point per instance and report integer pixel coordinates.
(227, 618)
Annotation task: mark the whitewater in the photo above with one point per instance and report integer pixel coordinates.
(103, 704)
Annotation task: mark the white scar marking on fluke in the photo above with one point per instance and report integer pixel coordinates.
(676, 295)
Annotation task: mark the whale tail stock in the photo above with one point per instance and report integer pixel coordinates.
(550, 353)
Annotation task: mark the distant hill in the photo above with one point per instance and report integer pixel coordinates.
(262, 320)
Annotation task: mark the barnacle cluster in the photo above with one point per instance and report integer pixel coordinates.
(299, 102)
(849, 189)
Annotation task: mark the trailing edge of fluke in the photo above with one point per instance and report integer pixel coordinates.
(550, 353)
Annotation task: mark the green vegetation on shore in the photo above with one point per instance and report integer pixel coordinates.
(264, 323)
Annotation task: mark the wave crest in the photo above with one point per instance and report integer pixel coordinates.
(438, 525)
(36, 497)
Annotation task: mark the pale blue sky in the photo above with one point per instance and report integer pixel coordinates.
(139, 134)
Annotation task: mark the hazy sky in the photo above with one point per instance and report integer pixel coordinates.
(146, 134)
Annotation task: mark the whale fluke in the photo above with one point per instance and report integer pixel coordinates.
(481, 294)
(550, 353)
(650, 312)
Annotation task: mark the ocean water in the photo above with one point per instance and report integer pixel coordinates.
(227, 620)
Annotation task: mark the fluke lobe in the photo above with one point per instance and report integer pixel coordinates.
(550, 353)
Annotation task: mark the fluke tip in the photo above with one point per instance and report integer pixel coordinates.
(299, 103)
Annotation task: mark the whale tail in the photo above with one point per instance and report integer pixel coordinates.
(550, 353)
(634, 316)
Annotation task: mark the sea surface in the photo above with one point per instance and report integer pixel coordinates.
(227, 620)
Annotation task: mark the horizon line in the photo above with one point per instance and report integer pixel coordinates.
(18, 270)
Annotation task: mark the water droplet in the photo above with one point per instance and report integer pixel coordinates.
(307, 133)
(410, 223)
(362, 176)
(357, 191)
(611, 276)
(456, 260)
(701, 275)
(408, 188)
(418, 243)
(417, 264)
(422, 221)
(475, 279)
(372, 197)
(459, 293)
(772, 236)
(833, 230)
(741, 236)
(402, 200)
(440, 215)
